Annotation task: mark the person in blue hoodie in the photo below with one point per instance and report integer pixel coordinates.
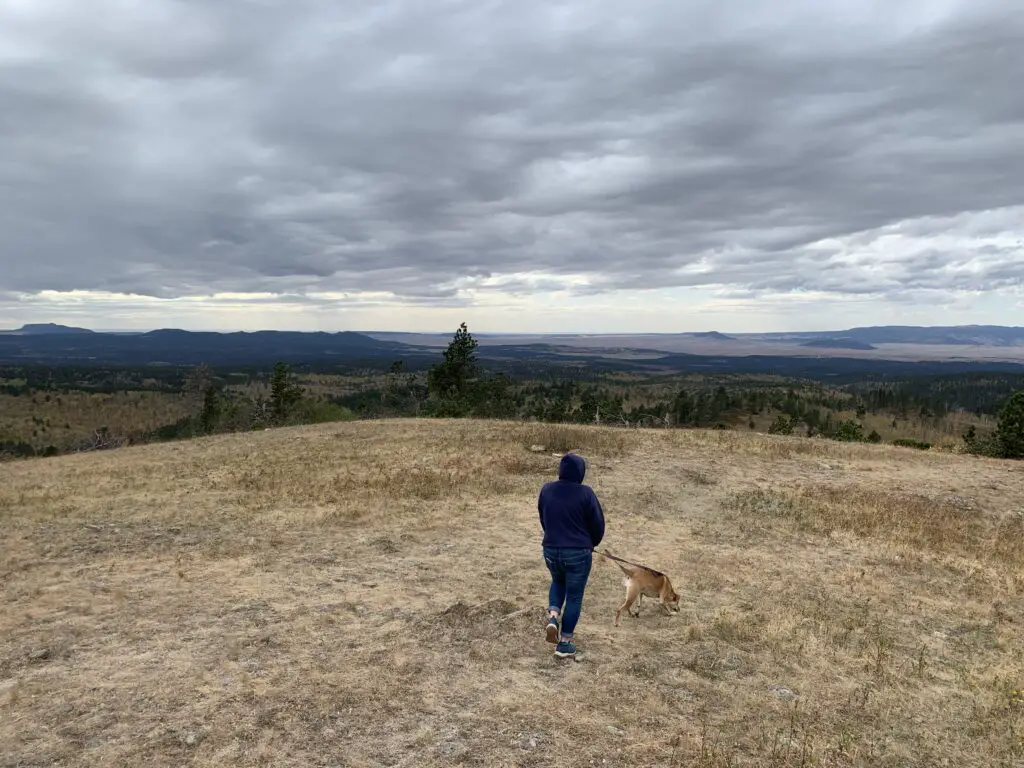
(573, 524)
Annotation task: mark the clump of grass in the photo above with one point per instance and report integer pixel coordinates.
(698, 476)
(424, 483)
(763, 503)
(563, 438)
(735, 629)
(521, 463)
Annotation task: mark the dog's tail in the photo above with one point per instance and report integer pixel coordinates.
(626, 567)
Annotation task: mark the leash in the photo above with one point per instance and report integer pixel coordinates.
(628, 562)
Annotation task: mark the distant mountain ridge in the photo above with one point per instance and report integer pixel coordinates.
(45, 329)
(955, 335)
(712, 336)
(952, 335)
(53, 344)
(831, 342)
(169, 346)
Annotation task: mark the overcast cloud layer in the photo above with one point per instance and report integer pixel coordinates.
(440, 153)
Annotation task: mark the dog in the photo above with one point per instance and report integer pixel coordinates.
(641, 580)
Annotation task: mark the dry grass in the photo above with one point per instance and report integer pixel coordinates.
(938, 524)
(371, 594)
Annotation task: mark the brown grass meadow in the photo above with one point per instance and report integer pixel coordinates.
(372, 594)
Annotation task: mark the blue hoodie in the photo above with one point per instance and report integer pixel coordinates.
(570, 513)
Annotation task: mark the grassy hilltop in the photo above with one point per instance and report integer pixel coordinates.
(372, 593)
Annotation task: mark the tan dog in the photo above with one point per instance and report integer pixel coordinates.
(641, 580)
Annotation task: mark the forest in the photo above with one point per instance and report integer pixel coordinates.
(51, 409)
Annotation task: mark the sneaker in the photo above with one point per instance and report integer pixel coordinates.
(565, 649)
(552, 630)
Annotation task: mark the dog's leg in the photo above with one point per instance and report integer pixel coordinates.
(661, 598)
(632, 590)
(639, 602)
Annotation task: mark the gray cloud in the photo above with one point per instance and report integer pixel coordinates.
(250, 145)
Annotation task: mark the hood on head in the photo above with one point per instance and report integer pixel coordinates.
(572, 468)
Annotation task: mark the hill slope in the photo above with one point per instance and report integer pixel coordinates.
(373, 594)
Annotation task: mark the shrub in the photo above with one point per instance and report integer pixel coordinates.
(16, 450)
(982, 445)
(316, 412)
(909, 442)
(849, 431)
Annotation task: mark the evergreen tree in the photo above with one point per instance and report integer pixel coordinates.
(1010, 427)
(284, 392)
(452, 378)
(210, 414)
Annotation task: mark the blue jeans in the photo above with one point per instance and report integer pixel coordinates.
(570, 568)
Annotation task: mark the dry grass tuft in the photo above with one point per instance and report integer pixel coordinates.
(372, 594)
(563, 438)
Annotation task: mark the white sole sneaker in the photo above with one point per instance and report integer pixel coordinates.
(552, 634)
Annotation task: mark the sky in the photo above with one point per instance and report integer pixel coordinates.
(523, 166)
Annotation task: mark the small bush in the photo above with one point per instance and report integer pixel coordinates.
(782, 425)
(982, 445)
(182, 429)
(20, 450)
(317, 412)
(849, 431)
(909, 442)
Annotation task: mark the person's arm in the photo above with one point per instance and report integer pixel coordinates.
(540, 508)
(595, 519)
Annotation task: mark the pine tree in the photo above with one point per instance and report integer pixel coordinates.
(1010, 427)
(210, 413)
(452, 378)
(284, 392)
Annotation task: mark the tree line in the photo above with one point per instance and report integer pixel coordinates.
(458, 386)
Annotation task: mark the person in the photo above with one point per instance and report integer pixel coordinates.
(573, 524)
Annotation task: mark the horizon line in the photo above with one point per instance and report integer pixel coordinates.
(507, 333)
